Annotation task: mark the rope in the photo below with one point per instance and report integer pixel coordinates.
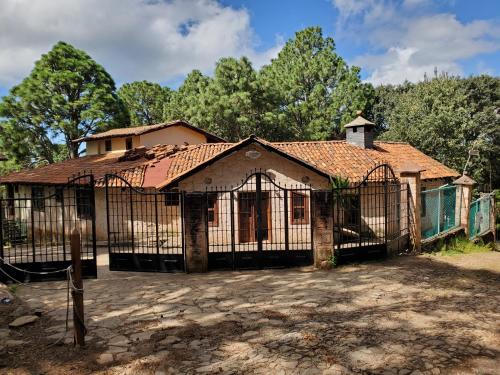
(26, 284)
(31, 272)
(69, 285)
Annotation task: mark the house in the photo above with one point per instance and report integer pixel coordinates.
(171, 133)
(257, 194)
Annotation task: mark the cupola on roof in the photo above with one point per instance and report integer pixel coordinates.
(359, 121)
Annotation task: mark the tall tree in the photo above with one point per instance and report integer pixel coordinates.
(313, 90)
(231, 99)
(145, 101)
(187, 102)
(384, 101)
(445, 117)
(67, 95)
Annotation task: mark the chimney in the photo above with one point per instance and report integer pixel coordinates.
(360, 132)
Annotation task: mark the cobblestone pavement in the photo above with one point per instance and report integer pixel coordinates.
(410, 315)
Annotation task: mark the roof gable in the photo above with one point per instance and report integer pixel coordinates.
(232, 148)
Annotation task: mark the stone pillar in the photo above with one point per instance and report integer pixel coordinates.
(195, 234)
(322, 222)
(410, 174)
(465, 185)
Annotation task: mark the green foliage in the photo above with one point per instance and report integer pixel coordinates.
(67, 95)
(313, 91)
(307, 92)
(187, 102)
(338, 182)
(231, 100)
(460, 246)
(13, 288)
(145, 101)
(445, 117)
(333, 260)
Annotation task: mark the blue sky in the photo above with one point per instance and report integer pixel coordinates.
(161, 41)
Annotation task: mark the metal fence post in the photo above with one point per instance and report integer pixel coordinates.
(233, 245)
(93, 216)
(258, 193)
(183, 231)
(63, 218)
(439, 212)
(32, 209)
(107, 214)
(132, 219)
(157, 237)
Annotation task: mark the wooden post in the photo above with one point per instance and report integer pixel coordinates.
(77, 291)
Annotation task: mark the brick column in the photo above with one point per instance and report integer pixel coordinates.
(322, 222)
(465, 185)
(195, 234)
(411, 175)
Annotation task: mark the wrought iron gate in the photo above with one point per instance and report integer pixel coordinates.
(259, 224)
(36, 223)
(145, 228)
(371, 216)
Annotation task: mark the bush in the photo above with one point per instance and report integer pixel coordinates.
(333, 260)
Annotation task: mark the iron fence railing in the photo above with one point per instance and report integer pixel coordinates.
(479, 216)
(440, 211)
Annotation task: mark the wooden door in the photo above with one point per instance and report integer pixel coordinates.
(247, 216)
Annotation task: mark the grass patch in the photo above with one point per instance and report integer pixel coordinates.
(13, 288)
(460, 246)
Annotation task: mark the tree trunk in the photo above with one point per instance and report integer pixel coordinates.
(73, 149)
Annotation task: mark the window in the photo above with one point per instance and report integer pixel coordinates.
(213, 210)
(37, 198)
(172, 198)
(107, 145)
(299, 207)
(128, 143)
(355, 129)
(84, 202)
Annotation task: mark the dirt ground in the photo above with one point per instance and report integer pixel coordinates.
(408, 315)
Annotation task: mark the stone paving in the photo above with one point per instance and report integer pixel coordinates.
(413, 315)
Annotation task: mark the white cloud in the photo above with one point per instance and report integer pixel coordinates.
(133, 39)
(409, 40)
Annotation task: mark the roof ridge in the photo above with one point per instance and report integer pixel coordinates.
(304, 142)
(393, 142)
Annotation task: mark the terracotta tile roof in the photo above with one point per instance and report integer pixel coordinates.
(329, 157)
(60, 173)
(163, 164)
(349, 161)
(397, 154)
(139, 130)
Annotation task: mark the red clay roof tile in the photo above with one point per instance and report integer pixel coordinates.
(162, 164)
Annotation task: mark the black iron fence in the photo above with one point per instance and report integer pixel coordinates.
(36, 223)
(145, 228)
(259, 224)
(371, 216)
